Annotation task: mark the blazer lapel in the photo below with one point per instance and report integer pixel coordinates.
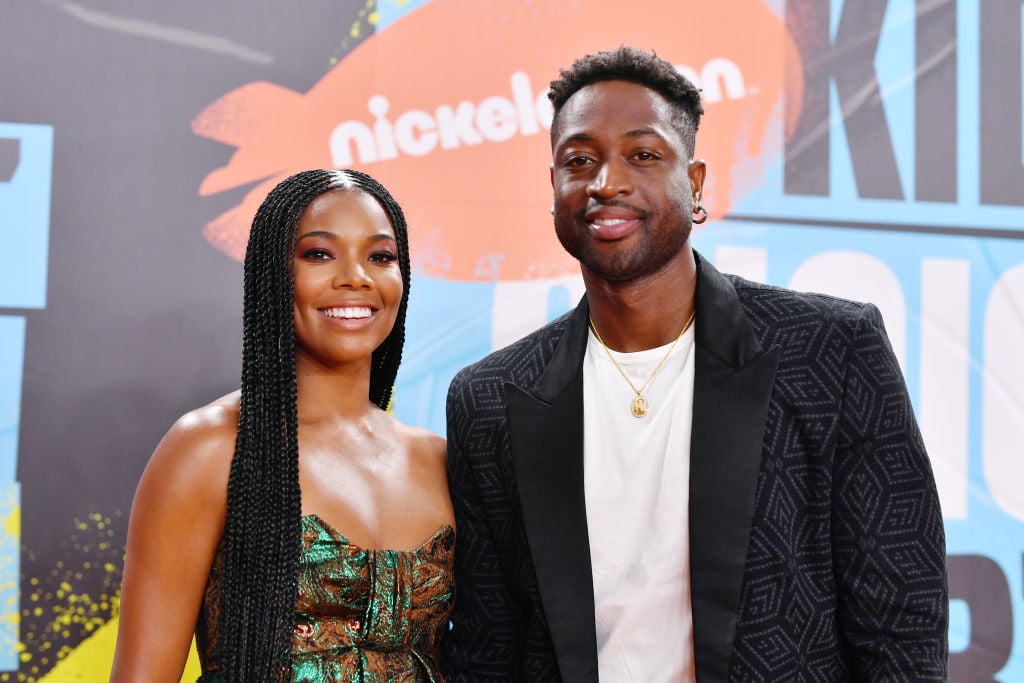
(546, 434)
(733, 381)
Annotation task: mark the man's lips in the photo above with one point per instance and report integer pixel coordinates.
(612, 223)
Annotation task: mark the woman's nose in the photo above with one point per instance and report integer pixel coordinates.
(351, 275)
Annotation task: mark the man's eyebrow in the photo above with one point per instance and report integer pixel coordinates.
(578, 137)
(635, 133)
(640, 132)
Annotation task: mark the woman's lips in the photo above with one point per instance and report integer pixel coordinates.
(348, 312)
(349, 317)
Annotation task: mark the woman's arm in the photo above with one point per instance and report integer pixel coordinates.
(176, 524)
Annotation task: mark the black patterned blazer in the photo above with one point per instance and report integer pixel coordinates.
(817, 550)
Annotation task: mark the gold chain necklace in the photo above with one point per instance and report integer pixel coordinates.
(641, 405)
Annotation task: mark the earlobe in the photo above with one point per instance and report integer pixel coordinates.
(700, 214)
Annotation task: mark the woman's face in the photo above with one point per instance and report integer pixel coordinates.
(348, 284)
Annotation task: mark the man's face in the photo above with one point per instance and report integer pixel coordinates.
(622, 179)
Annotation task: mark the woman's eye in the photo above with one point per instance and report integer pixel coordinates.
(383, 257)
(316, 254)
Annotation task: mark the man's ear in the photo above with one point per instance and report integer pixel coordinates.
(696, 171)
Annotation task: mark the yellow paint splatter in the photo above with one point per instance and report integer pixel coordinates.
(10, 551)
(12, 523)
(356, 32)
(92, 659)
(68, 606)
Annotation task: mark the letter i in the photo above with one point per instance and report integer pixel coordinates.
(382, 128)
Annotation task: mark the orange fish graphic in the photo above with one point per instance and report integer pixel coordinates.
(447, 107)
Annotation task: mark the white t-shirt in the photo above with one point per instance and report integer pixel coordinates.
(636, 479)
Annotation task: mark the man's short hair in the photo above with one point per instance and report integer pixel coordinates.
(638, 66)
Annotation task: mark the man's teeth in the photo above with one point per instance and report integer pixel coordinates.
(609, 221)
(352, 312)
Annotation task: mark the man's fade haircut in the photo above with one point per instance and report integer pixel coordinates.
(637, 66)
(262, 532)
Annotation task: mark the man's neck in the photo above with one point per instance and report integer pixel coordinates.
(645, 313)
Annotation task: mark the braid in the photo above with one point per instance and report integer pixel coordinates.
(262, 531)
(388, 356)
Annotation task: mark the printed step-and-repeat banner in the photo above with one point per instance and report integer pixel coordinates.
(871, 150)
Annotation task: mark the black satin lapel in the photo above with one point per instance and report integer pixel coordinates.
(730, 409)
(547, 453)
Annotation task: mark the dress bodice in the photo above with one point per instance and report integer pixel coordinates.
(365, 615)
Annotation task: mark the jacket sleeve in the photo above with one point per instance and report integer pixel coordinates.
(887, 533)
(486, 625)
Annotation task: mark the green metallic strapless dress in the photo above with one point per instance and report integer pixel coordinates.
(375, 616)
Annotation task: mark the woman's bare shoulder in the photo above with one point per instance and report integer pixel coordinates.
(196, 451)
(177, 520)
(421, 442)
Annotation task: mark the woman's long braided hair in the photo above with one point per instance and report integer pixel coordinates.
(262, 532)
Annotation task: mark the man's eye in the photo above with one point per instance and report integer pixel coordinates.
(575, 162)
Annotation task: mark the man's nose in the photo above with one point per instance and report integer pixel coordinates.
(612, 179)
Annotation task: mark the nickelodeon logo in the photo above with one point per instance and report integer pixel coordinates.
(416, 132)
(459, 132)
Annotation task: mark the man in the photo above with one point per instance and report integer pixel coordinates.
(639, 498)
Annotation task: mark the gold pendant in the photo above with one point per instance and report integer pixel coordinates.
(639, 406)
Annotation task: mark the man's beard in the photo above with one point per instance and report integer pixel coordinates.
(650, 251)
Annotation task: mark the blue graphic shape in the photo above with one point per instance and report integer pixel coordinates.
(12, 354)
(959, 626)
(26, 169)
(390, 11)
(26, 173)
(10, 573)
(559, 302)
(12, 357)
(448, 326)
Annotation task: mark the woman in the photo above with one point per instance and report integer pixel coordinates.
(351, 580)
